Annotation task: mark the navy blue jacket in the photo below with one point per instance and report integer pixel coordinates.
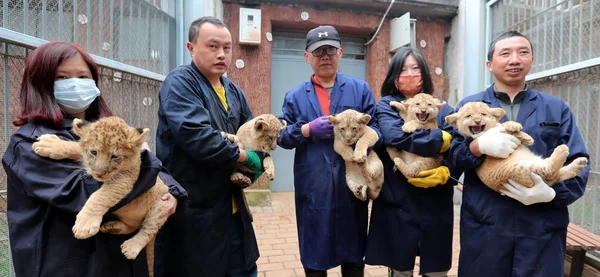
(499, 235)
(332, 222)
(44, 196)
(197, 242)
(407, 221)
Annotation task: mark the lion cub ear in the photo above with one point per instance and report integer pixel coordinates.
(364, 118)
(333, 119)
(439, 103)
(79, 127)
(260, 125)
(136, 139)
(498, 113)
(451, 119)
(282, 124)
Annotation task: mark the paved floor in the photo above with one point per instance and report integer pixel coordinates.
(275, 228)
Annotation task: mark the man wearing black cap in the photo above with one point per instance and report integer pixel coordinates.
(332, 223)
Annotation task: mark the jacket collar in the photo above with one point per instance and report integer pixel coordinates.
(336, 93)
(528, 106)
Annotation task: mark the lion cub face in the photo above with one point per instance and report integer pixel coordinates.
(266, 131)
(109, 146)
(422, 107)
(474, 118)
(349, 125)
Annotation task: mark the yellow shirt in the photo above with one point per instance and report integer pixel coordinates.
(221, 94)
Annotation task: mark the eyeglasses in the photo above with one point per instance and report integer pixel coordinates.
(321, 51)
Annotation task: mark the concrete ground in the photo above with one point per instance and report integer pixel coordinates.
(275, 228)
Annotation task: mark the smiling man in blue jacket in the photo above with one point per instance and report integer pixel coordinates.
(520, 232)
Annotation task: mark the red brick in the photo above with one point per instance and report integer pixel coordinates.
(281, 273)
(282, 258)
(285, 246)
(270, 267)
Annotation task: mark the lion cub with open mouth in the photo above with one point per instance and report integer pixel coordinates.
(419, 113)
(474, 118)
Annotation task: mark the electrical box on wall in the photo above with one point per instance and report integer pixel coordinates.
(249, 26)
(400, 32)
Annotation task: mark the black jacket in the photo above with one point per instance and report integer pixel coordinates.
(44, 196)
(197, 242)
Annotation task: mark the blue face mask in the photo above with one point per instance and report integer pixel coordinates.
(75, 95)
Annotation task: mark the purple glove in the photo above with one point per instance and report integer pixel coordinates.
(321, 127)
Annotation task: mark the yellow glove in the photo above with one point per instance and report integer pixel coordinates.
(431, 178)
(447, 137)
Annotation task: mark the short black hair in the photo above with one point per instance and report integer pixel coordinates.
(195, 26)
(395, 68)
(507, 34)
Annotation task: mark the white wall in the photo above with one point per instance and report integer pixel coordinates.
(455, 55)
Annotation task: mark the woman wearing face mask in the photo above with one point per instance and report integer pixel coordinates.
(44, 195)
(412, 217)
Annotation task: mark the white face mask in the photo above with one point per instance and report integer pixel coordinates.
(75, 95)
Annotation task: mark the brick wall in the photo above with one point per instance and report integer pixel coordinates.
(255, 77)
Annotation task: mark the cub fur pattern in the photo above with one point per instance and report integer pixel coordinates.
(110, 151)
(419, 112)
(260, 135)
(474, 118)
(364, 170)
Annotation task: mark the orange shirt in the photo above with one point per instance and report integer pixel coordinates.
(322, 95)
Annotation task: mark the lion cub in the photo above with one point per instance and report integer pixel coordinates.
(364, 170)
(419, 112)
(110, 151)
(474, 118)
(259, 134)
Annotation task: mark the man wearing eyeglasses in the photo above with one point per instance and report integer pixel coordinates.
(332, 222)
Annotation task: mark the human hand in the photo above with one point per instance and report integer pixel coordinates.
(431, 178)
(321, 127)
(539, 193)
(496, 143)
(171, 202)
(252, 161)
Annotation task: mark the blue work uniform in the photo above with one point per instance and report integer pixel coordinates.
(408, 221)
(500, 236)
(332, 222)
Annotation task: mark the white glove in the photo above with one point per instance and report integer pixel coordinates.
(539, 193)
(496, 143)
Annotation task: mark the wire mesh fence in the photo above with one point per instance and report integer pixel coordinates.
(132, 97)
(562, 32)
(136, 32)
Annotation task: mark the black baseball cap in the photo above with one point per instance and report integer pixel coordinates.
(322, 35)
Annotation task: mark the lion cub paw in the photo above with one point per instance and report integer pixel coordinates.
(359, 157)
(512, 126)
(580, 163)
(48, 145)
(131, 248)
(411, 126)
(86, 226)
(270, 172)
(242, 180)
